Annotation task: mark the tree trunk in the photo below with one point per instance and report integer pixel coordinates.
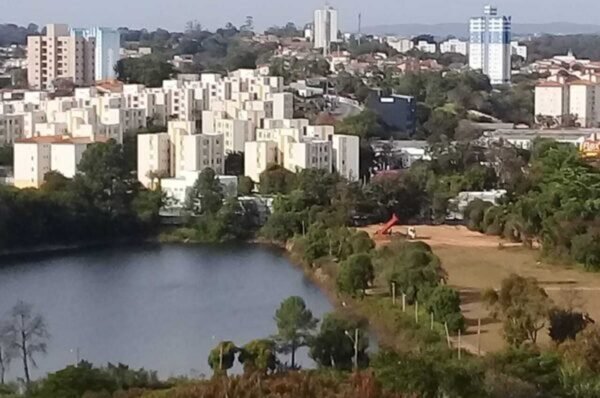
(2, 370)
(24, 351)
(293, 355)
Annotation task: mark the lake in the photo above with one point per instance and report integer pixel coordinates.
(161, 307)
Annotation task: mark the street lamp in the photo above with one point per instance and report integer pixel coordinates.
(355, 342)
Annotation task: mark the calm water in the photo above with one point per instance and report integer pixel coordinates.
(158, 307)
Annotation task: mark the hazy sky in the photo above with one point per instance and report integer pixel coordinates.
(172, 14)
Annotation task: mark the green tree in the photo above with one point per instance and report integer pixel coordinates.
(149, 70)
(294, 325)
(222, 357)
(365, 125)
(333, 346)
(259, 356)
(74, 382)
(234, 164)
(207, 191)
(276, 179)
(355, 274)
(444, 303)
(245, 186)
(522, 305)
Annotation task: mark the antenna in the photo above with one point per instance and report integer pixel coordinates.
(359, 27)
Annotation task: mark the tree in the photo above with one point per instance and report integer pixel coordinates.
(234, 164)
(149, 70)
(294, 324)
(276, 179)
(7, 352)
(566, 324)
(333, 346)
(208, 191)
(365, 125)
(222, 357)
(75, 381)
(444, 304)
(6, 155)
(28, 335)
(356, 273)
(523, 306)
(245, 185)
(259, 356)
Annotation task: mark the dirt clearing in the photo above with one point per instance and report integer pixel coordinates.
(475, 262)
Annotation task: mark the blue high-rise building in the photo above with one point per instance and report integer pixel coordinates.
(108, 47)
(489, 47)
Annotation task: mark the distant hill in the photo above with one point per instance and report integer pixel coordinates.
(461, 29)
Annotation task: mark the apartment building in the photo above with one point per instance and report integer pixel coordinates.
(400, 44)
(60, 55)
(454, 46)
(258, 155)
(153, 158)
(35, 157)
(489, 47)
(325, 27)
(107, 51)
(346, 156)
(572, 100)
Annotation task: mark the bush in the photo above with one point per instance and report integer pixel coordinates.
(474, 213)
(356, 273)
(585, 249)
(493, 220)
(566, 324)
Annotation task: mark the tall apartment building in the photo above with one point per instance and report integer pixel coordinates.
(489, 48)
(107, 52)
(59, 54)
(325, 28)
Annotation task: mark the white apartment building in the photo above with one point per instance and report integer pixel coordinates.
(400, 44)
(584, 102)
(202, 151)
(579, 99)
(257, 156)
(426, 47)
(454, 46)
(311, 154)
(518, 49)
(59, 54)
(325, 27)
(552, 99)
(489, 48)
(153, 157)
(34, 157)
(346, 156)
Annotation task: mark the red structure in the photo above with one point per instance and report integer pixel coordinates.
(387, 228)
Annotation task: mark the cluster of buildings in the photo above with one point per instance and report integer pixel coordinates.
(247, 112)
(206, 116)
(570, 94)
(81, 56)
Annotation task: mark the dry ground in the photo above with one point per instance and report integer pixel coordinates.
(475, 262)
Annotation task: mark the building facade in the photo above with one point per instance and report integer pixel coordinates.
(325, 28)
(489, 47)
(60, 55)
(454, 46)
(107, 50)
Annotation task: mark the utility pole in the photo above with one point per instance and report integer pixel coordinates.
(394, 293)
(359, 27)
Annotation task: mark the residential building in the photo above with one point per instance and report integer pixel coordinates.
(552, 100)
(35, 157)
(325, 28)
(153, 157)
(107, 50)
(454, 46)
(257, 156)
(584, 102)
(518, 49)
(400, 44)
(346, 156)
(489, 48)
(60, 55)
(426, 47)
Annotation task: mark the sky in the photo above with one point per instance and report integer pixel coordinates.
(173, 14)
